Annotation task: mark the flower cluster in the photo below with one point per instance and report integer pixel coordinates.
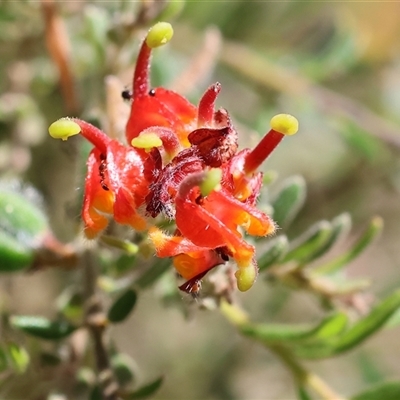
(182, 162)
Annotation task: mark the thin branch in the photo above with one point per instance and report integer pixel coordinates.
(57, 42)
(96, 322)
(257, 68)
(302, 376)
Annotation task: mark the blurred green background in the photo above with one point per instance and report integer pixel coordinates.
(335, 66)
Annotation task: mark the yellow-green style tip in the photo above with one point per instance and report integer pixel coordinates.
(159, 34)
(245, 277)
(146, 141)
(63, 129)
(212, 181)
(285, 124)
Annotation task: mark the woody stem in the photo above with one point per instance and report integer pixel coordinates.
(95, 321)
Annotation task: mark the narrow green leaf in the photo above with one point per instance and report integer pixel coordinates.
(354, 336)
(160, 266)
(305, 247)
(41, 327)
(373, 230)
(145, 391)
(328, 327)
(122, 307)
(383, 391)
(289, 200)
(332, 326)
(369, 324)
(19, 357)
(275, 251)
(341, 226)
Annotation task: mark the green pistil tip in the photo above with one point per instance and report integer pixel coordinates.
(146, 141)
(245, 277)
(159, 34)
(285, 124)
(212, 181)
(63, 129)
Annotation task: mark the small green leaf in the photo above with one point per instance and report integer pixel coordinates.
(124, 264)
(341, 226)
(21, 225)
(145, 391)
(125, 369)
(19, 357)
(41, 327)
(373, 230)
(289, 200)
(383, 391)
(159, 267)
(122, 306)
(275, 251)
(369, 324)
(304, 248)
(328, 327)
(20, 217)
(354, 336)
(14, 256)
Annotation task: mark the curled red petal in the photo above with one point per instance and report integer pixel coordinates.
(163, 108)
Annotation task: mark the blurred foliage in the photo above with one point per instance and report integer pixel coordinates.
(335, 67)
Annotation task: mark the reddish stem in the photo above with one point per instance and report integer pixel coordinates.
(262, 151)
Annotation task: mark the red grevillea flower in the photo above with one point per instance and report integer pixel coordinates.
(184, 164)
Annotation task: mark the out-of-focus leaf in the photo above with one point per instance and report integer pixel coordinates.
(85, 380)
(289, 200)
(124, 263)
(367, 146)
(124, 369)
(41, 327)
(338, 55)
(145, 391)
(50, 359)
(3, 359)
(124, 245)
(122, 307)
(21, 225)
(13, 255)
(383, 391)
(19, 357)
(359, 332)
(373, 230)
(160, 266)
(171, 10)
(20, 217)
(277, 248)
(302, 394)
(329, 327)
(96, 393)
(341, 226)
(70, 303)
(305, 247)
